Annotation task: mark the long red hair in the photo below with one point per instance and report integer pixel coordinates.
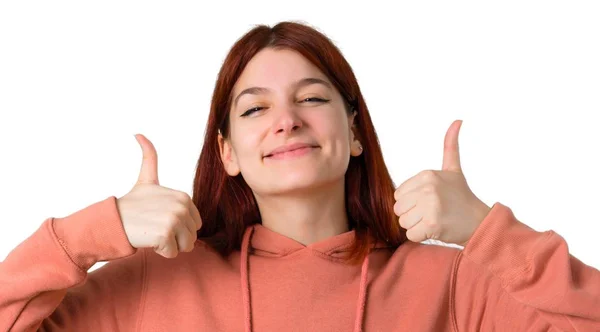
(226, 203)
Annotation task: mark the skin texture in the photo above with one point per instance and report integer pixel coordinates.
(301, 197)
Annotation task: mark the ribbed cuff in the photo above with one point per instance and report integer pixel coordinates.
(93, 234)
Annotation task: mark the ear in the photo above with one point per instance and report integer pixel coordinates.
(355, 145)
(228, 156)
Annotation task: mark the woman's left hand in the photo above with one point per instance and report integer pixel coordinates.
(439, 205)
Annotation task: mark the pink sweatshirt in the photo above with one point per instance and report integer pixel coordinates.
(508, 278)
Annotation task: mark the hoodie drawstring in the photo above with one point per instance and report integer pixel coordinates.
(245, 280)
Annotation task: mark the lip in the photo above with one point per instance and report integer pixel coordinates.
(289, 147)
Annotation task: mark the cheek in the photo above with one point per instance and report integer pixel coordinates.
(328, 120)
(334, 130)
(247, 148)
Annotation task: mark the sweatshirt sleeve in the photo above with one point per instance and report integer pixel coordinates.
(45, 286)
(510, 277)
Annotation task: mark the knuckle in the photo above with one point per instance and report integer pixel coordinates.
(428, 175)
(172, 222)
(180, 210)
(429, 188)
(432, 225)
(183, 197)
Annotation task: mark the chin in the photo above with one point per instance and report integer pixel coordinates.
(303, 182)
(295, 181)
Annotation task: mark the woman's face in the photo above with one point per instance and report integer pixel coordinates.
(281, 109)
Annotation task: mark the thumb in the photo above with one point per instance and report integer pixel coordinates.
(451, 160)
(149, 170)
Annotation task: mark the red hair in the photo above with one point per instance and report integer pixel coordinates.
(227, 205)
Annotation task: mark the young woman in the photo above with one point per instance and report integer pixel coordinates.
(295, 225)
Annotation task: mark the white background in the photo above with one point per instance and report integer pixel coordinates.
(79, 79)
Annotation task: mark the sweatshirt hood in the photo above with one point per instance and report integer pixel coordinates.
(260, 240)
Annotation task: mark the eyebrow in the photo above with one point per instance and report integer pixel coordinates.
(255, 90)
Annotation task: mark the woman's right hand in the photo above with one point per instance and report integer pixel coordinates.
(155, 216)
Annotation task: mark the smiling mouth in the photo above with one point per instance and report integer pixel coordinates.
(292, 153)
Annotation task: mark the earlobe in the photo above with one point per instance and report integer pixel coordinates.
(356, 149)
(228, 156)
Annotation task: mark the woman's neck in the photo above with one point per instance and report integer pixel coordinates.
(306, 217)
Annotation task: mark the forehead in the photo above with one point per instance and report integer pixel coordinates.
(276, 68)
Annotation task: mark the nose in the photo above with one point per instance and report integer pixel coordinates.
(287, 121)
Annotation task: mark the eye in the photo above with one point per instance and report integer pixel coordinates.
(252, 110)
(310, 99)
(315, 99)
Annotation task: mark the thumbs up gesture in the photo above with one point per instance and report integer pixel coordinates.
(155, 216)
(439, 205)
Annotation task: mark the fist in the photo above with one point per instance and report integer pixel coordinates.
(158, 217)
(439, 205)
